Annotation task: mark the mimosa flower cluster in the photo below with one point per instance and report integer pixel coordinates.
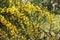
(24, 20)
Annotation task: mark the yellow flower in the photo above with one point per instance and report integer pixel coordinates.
(29, 11)
(37, 8)
(9, 24)
(3, 10)
(28, 3)
(18, 3)
(10, 1)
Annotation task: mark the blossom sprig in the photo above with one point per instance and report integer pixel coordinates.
(49, 17)
(13, 28)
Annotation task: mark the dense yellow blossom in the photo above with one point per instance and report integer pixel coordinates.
(9, 25)
(25, 18)
(49, 17)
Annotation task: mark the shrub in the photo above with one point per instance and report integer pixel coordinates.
(24, 20)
